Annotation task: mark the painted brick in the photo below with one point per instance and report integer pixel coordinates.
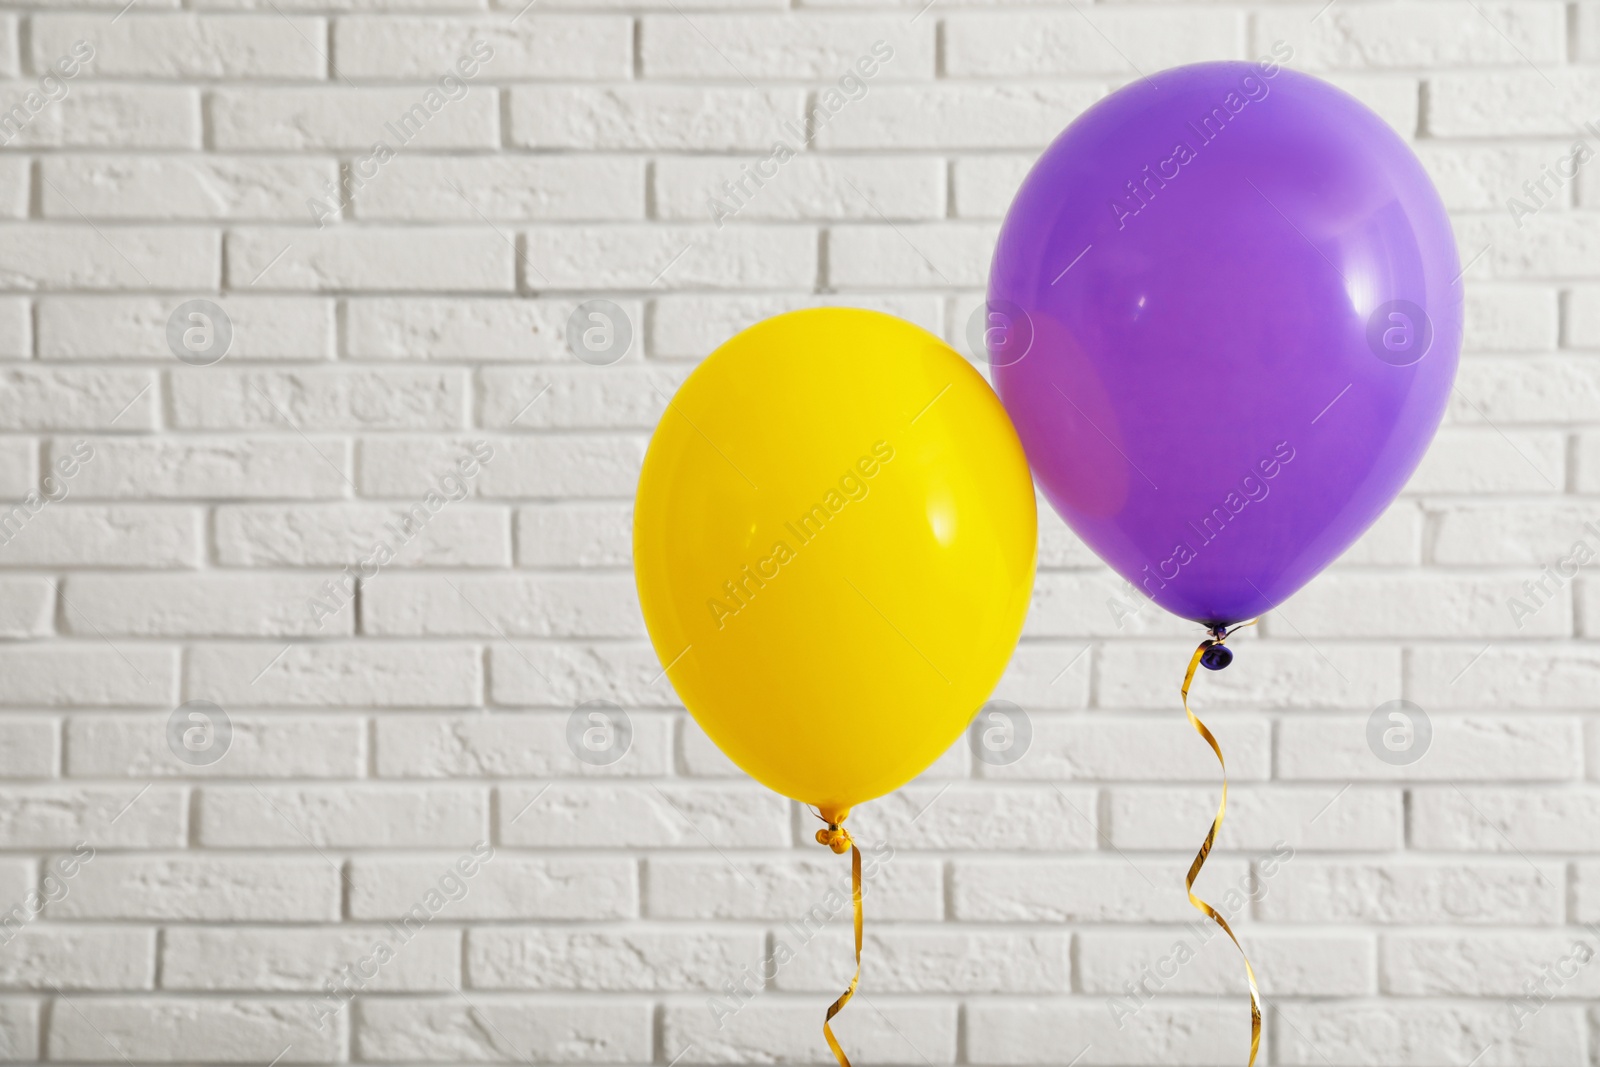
(390, 47)
(174, 1028)
(135, 327)
(1055, 44)
(434, 259)
(196, 188)
(510, 746)
(183, 46)
(56, 256)
(348, 118)
(662, 118)
(261, 746)
(196, 888)
(505, 886)
(524, 188)
(501, 605)
(490, 1027)
(279, 959)
(327, 675)
(546, 959)
(339, 535)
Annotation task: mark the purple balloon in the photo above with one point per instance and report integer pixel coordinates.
(1224, 313)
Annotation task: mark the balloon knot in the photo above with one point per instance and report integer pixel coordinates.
(1214, 654)
(836, 838)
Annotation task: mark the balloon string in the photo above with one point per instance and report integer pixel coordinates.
(1205, 849)
(838, 838)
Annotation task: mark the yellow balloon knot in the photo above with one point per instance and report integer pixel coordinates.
(836, 838)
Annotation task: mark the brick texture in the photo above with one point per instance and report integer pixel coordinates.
(335, 565)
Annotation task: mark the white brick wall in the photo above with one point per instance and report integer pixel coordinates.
(399, 857)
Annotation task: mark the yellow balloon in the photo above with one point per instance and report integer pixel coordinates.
(834, 543)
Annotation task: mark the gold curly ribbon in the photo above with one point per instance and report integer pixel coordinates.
(838, 838)
(1205, 849)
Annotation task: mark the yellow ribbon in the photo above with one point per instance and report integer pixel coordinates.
(1205, 849)
(838, 838)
